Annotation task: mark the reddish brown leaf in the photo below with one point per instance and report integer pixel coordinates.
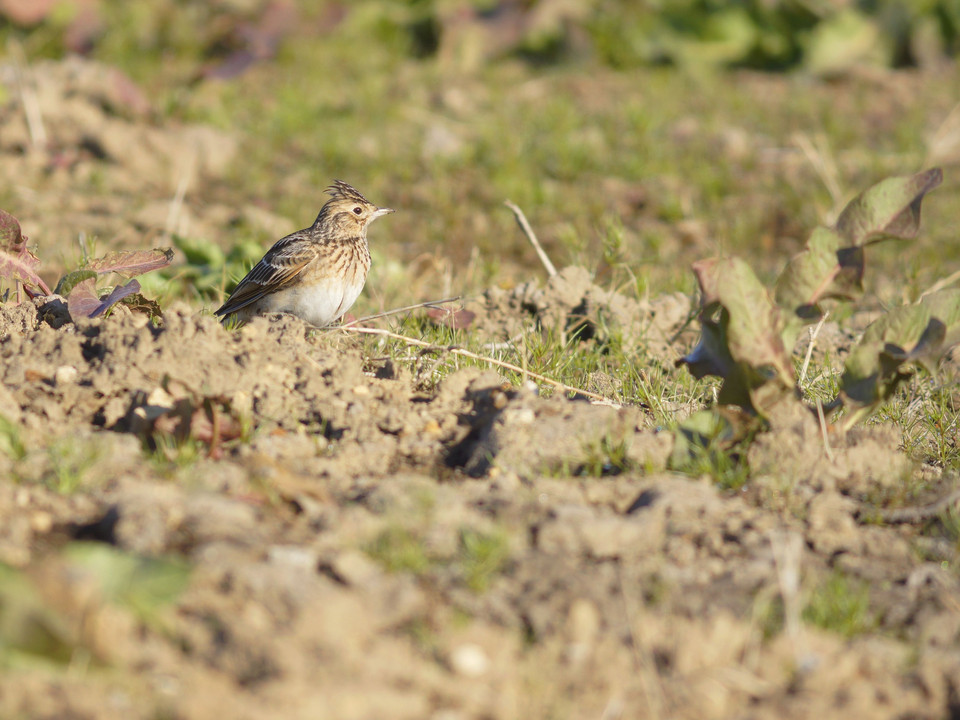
(10, 237)
(131, 263)
(456, 319)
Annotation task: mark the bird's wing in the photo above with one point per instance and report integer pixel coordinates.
(278, 269)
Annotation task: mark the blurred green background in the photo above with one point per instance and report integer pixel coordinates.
(637, 136)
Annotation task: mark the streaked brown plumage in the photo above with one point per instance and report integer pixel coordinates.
(316, 273)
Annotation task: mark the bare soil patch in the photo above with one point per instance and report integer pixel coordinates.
(332, 565)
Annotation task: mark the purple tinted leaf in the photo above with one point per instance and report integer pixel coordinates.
(83, 300)
(10, 237)
(119, 292)
(131, 263)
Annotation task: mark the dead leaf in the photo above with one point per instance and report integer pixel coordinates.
(455, 319)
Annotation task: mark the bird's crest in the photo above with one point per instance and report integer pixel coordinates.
(341, 191)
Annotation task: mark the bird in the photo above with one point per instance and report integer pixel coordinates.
(316, 273)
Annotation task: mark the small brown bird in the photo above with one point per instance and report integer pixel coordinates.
(316, 273)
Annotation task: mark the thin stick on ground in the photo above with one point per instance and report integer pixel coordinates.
(473, 356)
(818, 155)
(175, 209)
(397, 311)
(787, 550)
(643, 659)
(823, 431)
(813, 337)
(531, 236)
(924, 512)
(941, 284)
(28, 96)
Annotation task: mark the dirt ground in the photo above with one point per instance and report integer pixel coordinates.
(361, 544)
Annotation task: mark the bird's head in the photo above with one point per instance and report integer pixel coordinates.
(347, 212)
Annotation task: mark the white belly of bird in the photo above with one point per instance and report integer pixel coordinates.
(319, 304)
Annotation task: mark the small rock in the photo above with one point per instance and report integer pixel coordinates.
(292, 556)
(65, 375)
(353, 568)
(469, 660)
(583, 626)
(41, 522)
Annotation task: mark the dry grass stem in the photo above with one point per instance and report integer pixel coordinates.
(643, 658)
(813, 337)
(941, 284)
(787, 550)
(823, 431)
(397, 311)
(474, 356)
(175, 210)
(923, 512)
(819, 157)
(28, 96)
(531, 236)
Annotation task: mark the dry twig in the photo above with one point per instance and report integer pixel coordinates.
(28, 96)
(473, 356)
(819, 157)
(941, 284)
(813, 337)
(531, 236)
(923, 512)
(823, 431)
(397, 311)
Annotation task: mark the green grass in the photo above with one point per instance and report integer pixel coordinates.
(399, 549)
(482, 557)
(840, 604)
(70, 462)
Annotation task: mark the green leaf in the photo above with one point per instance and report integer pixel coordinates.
(28, 627)
(143, 585)
(198, 251)
(740, 339)
(890, 209)
(843, 41)
(825, 269)
(832, 265)
(701, 430)
(914, 334)
(70, 280)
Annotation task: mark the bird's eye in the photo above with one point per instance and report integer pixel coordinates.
(357, 210)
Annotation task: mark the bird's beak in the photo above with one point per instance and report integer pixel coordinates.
(380, 212)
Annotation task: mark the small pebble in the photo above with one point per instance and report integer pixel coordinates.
(65, 375)
(469, 660)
